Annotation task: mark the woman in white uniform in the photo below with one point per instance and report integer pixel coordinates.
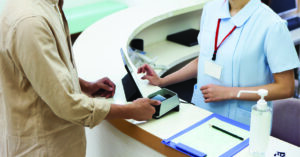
(244, 45)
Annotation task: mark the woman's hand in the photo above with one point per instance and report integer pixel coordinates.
(151, 75)
(213, 93)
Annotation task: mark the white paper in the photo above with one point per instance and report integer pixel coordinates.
(210, 141)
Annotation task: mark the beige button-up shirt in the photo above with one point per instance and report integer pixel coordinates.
(42, 109)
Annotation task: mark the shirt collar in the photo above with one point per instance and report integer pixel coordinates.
(53, 1)
(224, 10)
(58, 3)
(243, 15)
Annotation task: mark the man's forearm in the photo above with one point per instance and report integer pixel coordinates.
(119, 112)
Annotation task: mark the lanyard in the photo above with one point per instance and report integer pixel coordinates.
(216, 39)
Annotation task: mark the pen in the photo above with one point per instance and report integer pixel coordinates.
(227, 132)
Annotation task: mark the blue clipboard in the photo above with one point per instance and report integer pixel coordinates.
(197, 153)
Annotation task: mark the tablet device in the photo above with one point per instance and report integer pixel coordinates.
(131, 89)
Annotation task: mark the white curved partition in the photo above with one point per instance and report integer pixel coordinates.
(105, 38)
(97, 54)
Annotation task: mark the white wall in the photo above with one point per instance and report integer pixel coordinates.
(128, 2)
(2, 5)
(139, 2)
(75, 3)
(78, 2)
(136, 2)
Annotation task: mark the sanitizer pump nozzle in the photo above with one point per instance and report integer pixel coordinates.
(261, 103)
(260, 125)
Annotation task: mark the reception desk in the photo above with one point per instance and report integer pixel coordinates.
(97, 55)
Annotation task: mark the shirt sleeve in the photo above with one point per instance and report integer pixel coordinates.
(202, 19)
(36, 53)
(280, 50)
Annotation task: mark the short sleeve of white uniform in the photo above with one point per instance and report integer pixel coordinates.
(279, 48)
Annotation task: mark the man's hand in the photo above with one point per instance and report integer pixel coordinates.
(142, 109)
(103, 87)
(213, 93)
(151, 75)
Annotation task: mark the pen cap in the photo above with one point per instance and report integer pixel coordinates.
(261, 103)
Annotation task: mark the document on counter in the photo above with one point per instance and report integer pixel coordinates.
(213, 136)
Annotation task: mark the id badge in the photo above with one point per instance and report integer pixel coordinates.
(212, 69)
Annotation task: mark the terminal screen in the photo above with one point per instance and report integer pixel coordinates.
(283, 6)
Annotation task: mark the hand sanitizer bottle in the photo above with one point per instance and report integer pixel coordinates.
(260, 124)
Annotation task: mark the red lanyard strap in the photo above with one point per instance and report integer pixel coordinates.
(216, 39)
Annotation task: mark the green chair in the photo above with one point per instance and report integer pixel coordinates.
(82, 13)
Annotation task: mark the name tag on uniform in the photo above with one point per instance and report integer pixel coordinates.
(212, 69)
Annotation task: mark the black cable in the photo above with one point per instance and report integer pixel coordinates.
(184, 102)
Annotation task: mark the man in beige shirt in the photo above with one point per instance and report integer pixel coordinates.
(42, 107)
